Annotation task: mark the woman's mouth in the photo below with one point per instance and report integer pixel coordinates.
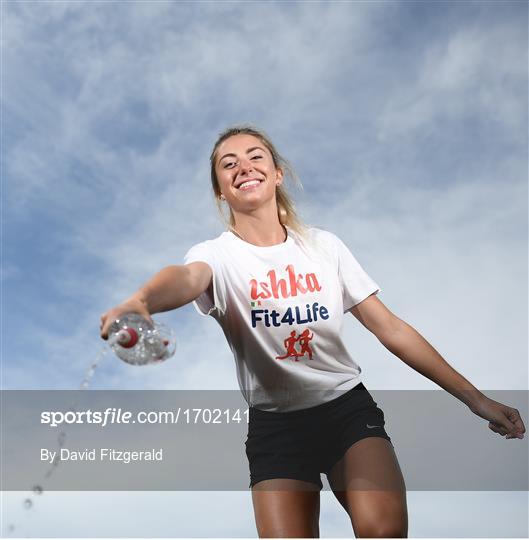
(249, 184)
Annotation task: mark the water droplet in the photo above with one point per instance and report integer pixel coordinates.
(37, 490)
(28, 503)
(11, 528)
(61, 438)
(91, 369)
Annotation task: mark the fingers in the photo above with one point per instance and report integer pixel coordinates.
(512, 433)
(130, 306)
(497, 429)
(515, 425)
(510, 421)
(516, 419)
(103, 327)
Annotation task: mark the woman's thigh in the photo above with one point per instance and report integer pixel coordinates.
(369, 484)
(286, 508)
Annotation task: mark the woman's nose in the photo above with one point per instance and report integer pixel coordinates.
(246, 165)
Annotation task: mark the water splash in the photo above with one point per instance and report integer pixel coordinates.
(54, 465)
(91, 370)
(61, 437)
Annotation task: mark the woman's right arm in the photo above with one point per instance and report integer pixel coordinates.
(171, 288)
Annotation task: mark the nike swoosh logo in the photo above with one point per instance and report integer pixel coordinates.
(370, 427)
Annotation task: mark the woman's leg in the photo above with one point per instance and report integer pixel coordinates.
(286, 508)
(368, 483)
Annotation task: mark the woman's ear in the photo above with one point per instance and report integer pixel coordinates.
(279, 178)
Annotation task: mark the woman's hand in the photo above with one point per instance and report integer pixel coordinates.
(502, 419)
(132, 305)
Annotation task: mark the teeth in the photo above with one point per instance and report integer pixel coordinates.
(249, 183)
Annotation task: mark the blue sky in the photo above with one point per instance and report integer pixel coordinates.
(406, 122)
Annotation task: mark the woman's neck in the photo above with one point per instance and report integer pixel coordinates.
(258, 230)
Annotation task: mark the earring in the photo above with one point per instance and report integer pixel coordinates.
(222, 198)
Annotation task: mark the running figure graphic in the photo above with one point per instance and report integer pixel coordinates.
(290, 345)
(304, 339)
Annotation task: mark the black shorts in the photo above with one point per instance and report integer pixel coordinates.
(303, 444)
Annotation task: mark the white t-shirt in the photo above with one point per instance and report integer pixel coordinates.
(281, 309)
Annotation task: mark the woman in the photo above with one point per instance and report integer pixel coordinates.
(279, 290)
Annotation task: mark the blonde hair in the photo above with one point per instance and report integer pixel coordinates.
(285, 206)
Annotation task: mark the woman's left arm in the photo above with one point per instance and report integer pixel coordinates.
(407, 344)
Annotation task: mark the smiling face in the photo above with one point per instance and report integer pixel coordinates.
(246, 173)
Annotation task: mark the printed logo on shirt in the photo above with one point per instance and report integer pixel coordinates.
(290, 345)
(297, 315)
(284, 288)
(293, 286)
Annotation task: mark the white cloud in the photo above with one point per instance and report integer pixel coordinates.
(477, 71)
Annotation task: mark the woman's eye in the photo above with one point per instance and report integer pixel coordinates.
(230, 163)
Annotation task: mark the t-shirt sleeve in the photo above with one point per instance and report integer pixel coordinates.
(213, 300)
(356, 283)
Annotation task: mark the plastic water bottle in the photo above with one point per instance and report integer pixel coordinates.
(138, 342)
